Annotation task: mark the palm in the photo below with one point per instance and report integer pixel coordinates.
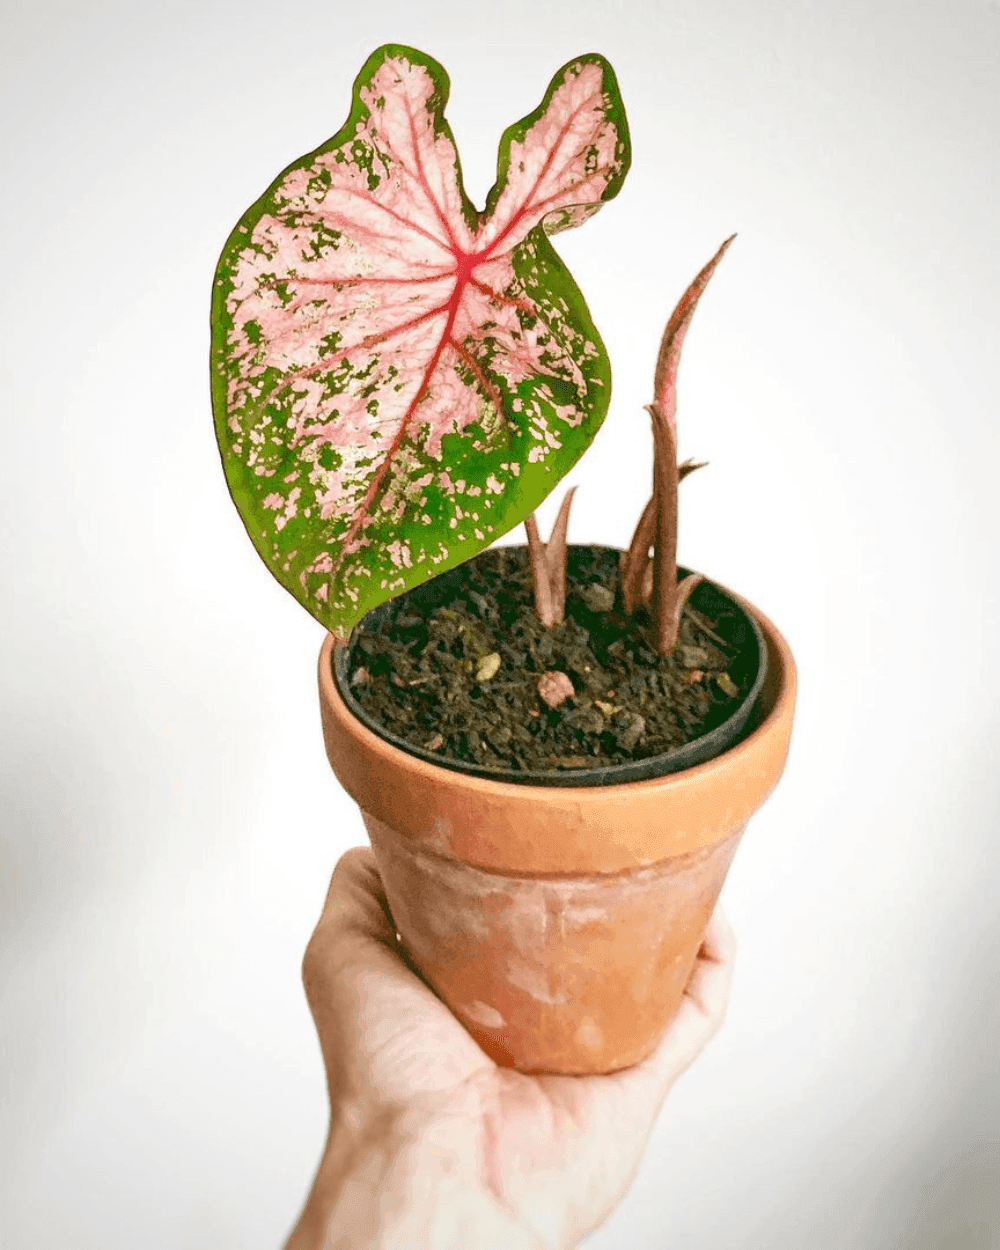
(555, 1152)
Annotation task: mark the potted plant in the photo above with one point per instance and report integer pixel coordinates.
(555, 749)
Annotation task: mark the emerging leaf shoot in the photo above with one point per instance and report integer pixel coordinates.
(658, 524)
(548, 564)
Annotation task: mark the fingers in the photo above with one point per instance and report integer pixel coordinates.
(381, 1028)
(355, 901)
(355, 927)
(352, 969)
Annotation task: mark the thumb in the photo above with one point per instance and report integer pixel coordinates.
(355, 936)
(355, 904)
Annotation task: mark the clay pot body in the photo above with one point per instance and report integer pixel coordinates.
(559, 924)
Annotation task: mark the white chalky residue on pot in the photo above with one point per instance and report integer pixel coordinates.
(439, 837)
(525, 915)
(589, 1035)
(540, 910)
(581, 916)
(646, 978)
(482, 1013)
(446, 923)
(534, 982)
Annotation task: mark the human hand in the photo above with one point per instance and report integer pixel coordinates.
(432, 1144)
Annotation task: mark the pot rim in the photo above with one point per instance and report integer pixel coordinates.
(514, 827)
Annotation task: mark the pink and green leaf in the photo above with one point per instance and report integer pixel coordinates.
(399, 379)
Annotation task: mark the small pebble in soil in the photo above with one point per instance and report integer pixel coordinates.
(555, 688)
(630, 731)
(598, 598)
(587, 719)
(727, 685)
(488, 666)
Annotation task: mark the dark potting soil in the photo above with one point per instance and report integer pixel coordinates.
(454, 667)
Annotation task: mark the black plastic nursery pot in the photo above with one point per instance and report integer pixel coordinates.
(748, 666)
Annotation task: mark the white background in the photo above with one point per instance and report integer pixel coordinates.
(169, 819)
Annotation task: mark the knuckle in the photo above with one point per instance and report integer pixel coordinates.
(352, 861)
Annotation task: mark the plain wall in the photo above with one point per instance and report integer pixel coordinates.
(169, 821)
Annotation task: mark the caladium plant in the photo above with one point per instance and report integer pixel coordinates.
(399, 378)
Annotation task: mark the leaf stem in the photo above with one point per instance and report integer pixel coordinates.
(636, 565)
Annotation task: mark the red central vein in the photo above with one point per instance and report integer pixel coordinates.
(364, 507)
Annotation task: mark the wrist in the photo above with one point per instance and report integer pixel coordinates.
(396, 1181)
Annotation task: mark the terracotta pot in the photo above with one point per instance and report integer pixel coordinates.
(560, 924)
